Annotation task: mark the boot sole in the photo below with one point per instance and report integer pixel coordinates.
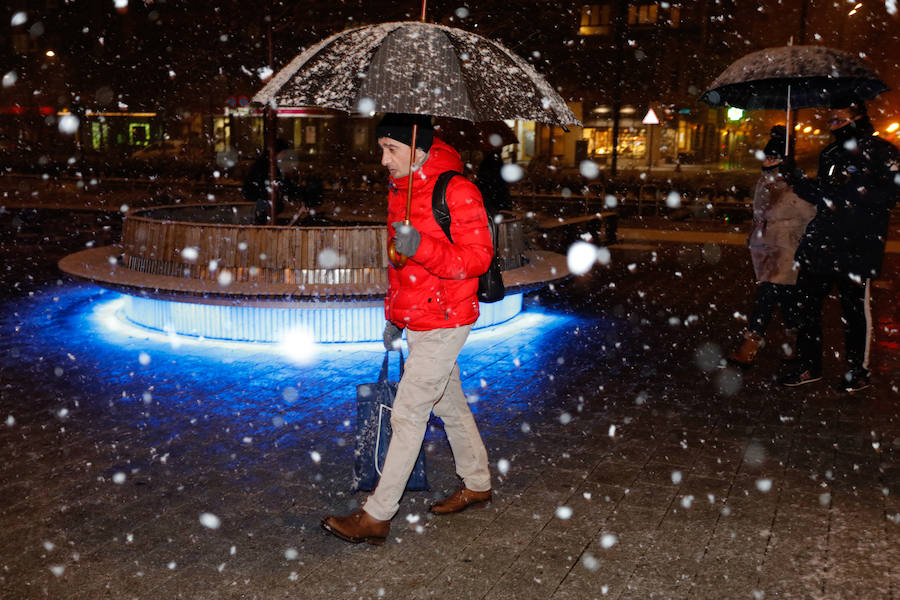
(478, 504)
(804, 382)
(857, 389)
(373, 540)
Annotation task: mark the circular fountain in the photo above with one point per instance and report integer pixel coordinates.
(205, 270)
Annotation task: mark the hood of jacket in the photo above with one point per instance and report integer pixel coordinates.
(441, 157)
(861, 127)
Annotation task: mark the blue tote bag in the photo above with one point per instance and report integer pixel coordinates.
(374, 402)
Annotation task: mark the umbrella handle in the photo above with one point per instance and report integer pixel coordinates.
(412, 162)
(787, 129)
(395, 258)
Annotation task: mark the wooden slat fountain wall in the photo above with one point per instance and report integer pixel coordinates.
(154, 241)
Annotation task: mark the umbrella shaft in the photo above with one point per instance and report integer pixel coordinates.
(412, 161)
(787, 129)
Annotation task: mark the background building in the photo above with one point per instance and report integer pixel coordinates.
(136, 71)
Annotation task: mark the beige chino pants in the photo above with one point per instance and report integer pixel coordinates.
(430, 382)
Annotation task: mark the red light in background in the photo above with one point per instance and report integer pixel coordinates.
(46, 110)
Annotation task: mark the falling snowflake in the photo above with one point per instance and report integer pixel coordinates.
(68, 124)
(564, 513)
(580, 257)
(511, 172)
(589, 169)
(210, 521)
(190, 254)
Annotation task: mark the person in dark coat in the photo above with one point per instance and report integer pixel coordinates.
(256, 185)
(491, 184)
(843, 246)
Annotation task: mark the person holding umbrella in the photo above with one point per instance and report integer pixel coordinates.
(432, 295)
(779, 219)
(843, 246)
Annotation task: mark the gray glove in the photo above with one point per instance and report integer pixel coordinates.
(406, 240)
(392, 335)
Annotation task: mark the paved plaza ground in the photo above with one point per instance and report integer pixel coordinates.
(625, 463)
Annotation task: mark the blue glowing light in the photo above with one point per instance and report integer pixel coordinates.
(361, 321)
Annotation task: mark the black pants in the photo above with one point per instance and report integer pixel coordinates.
(812, 289)
(768, 295)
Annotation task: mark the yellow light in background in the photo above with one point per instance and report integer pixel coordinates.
(817, 132)
(735, 113)
(797, 127)
(892, 127)
(806, 129)
(50, 53)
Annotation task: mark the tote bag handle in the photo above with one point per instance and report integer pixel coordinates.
(383, 376)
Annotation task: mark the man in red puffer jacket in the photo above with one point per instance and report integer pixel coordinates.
(433, 297)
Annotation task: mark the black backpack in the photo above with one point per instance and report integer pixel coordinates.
(490, 283)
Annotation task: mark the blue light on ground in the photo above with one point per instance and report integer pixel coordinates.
(177, 390)
(71, 337)
(328, 322)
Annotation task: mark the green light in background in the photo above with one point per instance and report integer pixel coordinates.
(735, 114)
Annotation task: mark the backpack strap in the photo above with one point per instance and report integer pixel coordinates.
(439, 207)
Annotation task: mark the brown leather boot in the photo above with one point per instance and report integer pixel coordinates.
(358, 526)
(745, 356)
(461, 499)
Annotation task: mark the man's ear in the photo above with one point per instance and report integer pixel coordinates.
(421, 155)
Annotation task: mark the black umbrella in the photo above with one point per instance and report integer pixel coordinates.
(792, 77)
(417, 68)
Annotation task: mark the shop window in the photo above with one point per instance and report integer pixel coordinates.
(595, 19)
(138, 134)
(647, 14)
(642, 14)
(99, 135)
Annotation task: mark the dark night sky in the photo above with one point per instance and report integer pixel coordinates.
(188, 54)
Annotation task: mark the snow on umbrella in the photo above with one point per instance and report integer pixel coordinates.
(417, 68)
(792, 77)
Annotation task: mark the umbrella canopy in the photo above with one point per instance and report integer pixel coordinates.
(466, 135)
(420, 68)
(762, 80)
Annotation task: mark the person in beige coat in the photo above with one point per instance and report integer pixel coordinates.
(779, 220)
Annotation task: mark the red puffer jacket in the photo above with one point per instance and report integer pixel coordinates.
(437, 287)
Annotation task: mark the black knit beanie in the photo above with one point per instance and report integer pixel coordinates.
(398, 126)
(849, 100)
(775, 147)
